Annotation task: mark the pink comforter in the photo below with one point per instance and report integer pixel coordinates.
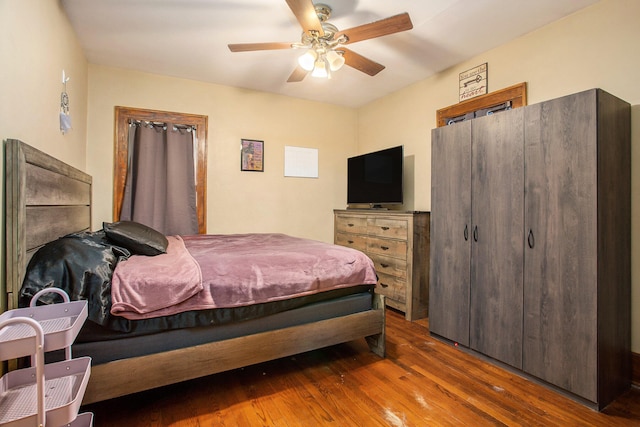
(214, 271)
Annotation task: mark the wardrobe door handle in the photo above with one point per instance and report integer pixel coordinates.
(466, 232)
(530, 239)
(475, 233)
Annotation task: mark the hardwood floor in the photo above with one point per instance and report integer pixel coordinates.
(421, 382)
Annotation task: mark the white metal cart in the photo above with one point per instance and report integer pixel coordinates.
(44, 394)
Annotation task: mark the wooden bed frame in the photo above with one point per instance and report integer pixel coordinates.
(46, 198)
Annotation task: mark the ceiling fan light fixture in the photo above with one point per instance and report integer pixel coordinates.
(308, 59)
(335, 59)
(320, 69)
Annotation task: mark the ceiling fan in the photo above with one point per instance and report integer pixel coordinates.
(324, 43)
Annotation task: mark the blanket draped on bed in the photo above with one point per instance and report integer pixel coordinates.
(221, 271)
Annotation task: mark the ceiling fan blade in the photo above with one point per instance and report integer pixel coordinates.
(247, 47)
(361, 63)
(306, 15)
(298, 75)
(393, 24)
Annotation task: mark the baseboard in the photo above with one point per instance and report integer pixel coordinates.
(635, 368)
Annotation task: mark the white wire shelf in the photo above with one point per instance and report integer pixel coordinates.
(60, 323)
(64, 385)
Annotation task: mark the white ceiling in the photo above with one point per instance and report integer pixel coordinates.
(188, 39)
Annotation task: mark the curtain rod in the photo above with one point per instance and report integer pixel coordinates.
(188, 128)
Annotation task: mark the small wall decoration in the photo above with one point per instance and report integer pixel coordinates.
(473, 82)
(65, 116)
(300, 162)
(251, 155)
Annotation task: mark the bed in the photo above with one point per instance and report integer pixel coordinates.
(46, 199)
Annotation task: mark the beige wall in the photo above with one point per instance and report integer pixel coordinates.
(597, 47)
(238, 201)
(36, 44)
(593, 48)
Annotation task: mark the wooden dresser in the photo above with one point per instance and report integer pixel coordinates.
(398, 244)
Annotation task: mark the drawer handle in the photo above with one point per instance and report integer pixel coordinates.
(384, 285)
(384, 248)
(349, 225)
(385, 228)
(384, 265)
(530, 239)
(350, 242)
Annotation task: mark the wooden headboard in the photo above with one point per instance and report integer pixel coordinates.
(44, 199)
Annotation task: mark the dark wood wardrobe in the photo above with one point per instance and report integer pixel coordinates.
(531, 241)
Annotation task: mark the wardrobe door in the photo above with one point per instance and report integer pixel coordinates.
(450, 232)
(497, 234)
(560, 285)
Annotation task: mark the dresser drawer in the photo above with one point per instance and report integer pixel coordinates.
(355, 241)
(387, 227)
(392, 287)
(351, 224)
(392, 266)
(387, 247)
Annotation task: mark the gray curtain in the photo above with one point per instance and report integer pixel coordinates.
(160, 189)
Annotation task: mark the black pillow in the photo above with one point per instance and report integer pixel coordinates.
(138, 238)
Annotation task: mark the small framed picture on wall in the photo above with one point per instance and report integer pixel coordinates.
(251, 155)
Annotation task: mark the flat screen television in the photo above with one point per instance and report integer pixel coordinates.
(376, 178)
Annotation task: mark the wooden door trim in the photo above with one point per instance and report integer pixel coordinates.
(122, 117)
(516, 94)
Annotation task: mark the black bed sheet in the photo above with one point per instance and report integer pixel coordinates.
(103, 351)
(92, 332)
